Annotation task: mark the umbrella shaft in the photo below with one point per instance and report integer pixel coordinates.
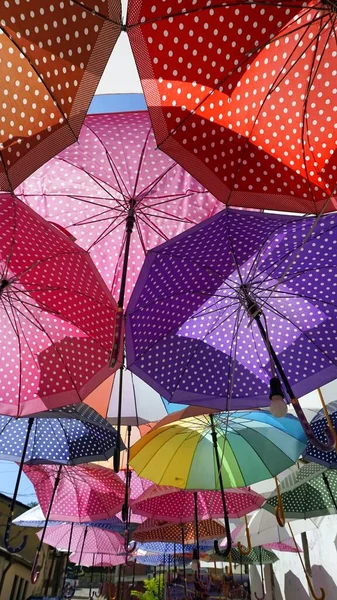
(23, 456)
(130, 221)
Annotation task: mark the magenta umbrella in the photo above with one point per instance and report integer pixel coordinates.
(80, 538)
(84, 493)
(97, 559)
(119, 196)
(178, 506)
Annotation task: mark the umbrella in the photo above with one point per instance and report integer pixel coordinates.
(85, 492)
(83, 539)
(57, 314)
(241, 95)
(155, 560)
(125, 201)
(169, 548)
(97, 559)
(253, 446)
(319, 425)
(213, 320)
(308, 492)
(255, 557)
(156, 531)
(178, 506)
(51, 77)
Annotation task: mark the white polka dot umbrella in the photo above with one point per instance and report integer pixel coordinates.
(242, 94)
(52, 57)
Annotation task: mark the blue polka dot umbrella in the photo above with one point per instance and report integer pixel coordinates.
(318, 425)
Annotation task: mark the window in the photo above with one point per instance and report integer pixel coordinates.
(19, 588)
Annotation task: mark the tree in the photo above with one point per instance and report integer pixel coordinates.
(153, 589)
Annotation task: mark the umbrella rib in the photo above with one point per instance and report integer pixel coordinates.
(151, 186)
(140, 164)
(140, 235)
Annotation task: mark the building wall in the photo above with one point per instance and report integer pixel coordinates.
(290, 581)
(20, 565)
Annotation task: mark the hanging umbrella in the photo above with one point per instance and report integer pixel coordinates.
(56, 312)
(169, 548)
(85, 492)
(252, 446)
(156, 531)
(118, 205)
(213, 320)
(241, 95)
(319, 425)
(255, 557)
(83, 539)
(98, 559)
(178, 506)
(310, 491)
(155, 560)
(50, 76)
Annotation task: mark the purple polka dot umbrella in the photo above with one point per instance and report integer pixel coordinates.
(223, 312)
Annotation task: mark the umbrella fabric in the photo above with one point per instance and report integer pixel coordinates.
(264, 530)
(98, 559)
(140, 488)
(57, 316)
(156, 531)
(178, 506)
(89, 186)
(51, 76)
(287, 546)
(96, 539)
(319, 425)
(241, 95)
(255, 557)
(155, 560)
(305, 493)
(170, 549)
(136, 433)
(189, 334)
(253, 446)
(85, 492)
(57, 441)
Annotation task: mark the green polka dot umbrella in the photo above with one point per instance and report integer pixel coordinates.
(310, 491)
(256, 556)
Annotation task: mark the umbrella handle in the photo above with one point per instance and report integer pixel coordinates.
(264, 594)
(248, 549)
(224, 553)
(9, 547)
(35, 572)
(69, 593)
(279, 510)
(129, 550)
(312, 591)
(323, 447)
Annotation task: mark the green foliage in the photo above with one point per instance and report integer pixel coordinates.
(153, 589)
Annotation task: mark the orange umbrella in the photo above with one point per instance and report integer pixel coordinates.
(53, 58)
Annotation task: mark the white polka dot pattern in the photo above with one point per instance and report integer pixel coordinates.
(100, 559)
(96, 540)
(178, 506)
(88, 188)
(85, 492)
(242, 95)
(52, 56)
(56, 315)
(156, 531)
(188, 332)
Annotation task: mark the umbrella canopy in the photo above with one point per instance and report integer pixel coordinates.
(319, 425)
(156, 531)
(170, 549)
(179, 506)
(213, 319)
(56, 313)
(90, 187)
(241, 94)
(156, 560)
(308, 492)
(97, 559)
(253, 446)
(85, 492)
(257, 556)
(51, 77)
(85, 539)
(60, 440)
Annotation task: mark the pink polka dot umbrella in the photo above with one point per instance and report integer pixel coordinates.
(178, 506)
(97, 559)
(242, 95)
(53, 57)
(119, 196)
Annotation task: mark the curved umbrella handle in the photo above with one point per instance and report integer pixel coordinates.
(248, 549)
(312, 591)
(223, 553)
(129, 550)
(279, 510)
(263, 594)
(9, 547)
(323, 447)
(35, 572)
(98, 594)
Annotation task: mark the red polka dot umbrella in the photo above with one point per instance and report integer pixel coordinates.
(242, 95)
(57, 316)
(52, 58)
(178, 506)
(156, 531)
